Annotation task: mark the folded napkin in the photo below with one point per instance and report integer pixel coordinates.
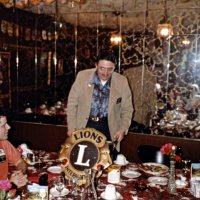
(25, 150)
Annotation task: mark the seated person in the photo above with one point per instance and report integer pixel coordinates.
(10, 155)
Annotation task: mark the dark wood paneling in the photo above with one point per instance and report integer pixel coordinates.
(51, 137)
(190, 147)
(38, 136)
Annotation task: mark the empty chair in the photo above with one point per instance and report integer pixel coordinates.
(149, 153)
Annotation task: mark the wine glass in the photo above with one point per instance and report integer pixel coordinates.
(59, 184)
(75, 180)
(186, 165)
(42, 193)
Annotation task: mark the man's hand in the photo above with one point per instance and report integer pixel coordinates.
(119, 136)
(70, 131)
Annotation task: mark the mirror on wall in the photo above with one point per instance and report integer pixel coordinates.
(163, 72)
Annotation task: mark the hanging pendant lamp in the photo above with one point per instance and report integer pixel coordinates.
(165, 29)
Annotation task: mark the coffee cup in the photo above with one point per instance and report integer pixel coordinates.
(110, 192)
(121, 159)
(114, 174)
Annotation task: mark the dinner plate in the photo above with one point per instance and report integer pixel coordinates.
(133, 167)
(130, 174)
(55, 193)
(158, 180)
(118, 196)
(154, 168)
(55, 169)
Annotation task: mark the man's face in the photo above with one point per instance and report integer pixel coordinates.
(105, 69)
(4, 127)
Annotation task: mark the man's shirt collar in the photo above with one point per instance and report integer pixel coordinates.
(96, 81)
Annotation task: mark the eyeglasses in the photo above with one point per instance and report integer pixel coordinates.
(109, 70)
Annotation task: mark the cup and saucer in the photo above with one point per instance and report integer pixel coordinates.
(28, 110)
(181, 183)
(110, 193)
(55, 193)
(121, 160)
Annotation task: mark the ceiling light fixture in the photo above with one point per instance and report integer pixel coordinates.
(73, 2)
(185, 41)
(165, 29)
(116, 37)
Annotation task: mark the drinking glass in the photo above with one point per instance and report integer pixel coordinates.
(186, 165)
(42, 193)
(75, 180)
(59, 184)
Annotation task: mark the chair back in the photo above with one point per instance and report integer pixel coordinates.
(149, 153)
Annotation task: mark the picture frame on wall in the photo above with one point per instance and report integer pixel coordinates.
(5, 81)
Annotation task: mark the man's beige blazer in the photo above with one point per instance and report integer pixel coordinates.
(120, 102)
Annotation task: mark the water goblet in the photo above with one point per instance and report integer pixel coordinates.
(59, 184)
(186, 165)
(75, 180)
(42, 193)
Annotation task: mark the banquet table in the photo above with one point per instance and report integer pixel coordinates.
(128, 188)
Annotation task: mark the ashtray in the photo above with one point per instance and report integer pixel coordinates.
(140, 185)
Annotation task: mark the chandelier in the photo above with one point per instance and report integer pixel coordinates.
(165, 29)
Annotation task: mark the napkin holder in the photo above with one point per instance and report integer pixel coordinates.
(35, 190)
(25, 150)
(195, 171)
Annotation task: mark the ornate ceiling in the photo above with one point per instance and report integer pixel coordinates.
(104, 12)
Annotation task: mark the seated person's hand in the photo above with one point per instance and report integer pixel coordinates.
(19, 179)
(21, 165)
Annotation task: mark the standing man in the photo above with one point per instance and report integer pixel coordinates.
(101, 98)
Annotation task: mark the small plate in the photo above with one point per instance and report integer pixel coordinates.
(130, 174)
(55, 193)
(118, 196)
(55, 169)
(158, 180)
(126, 163)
